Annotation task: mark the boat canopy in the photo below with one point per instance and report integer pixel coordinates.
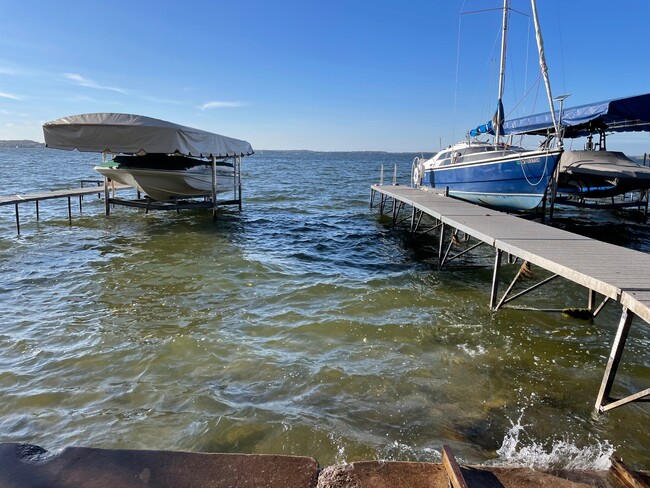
(136, 134)
(618, 115)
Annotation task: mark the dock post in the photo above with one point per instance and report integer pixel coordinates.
(214, 185)
(107, 196)
(382, 203)
(69, 210)
(495, 279)
(413, 210)
(614, 358)
(591, 300)
(239, 179)
(441, 244)
(17, 220)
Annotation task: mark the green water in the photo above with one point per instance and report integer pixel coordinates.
(301, 325)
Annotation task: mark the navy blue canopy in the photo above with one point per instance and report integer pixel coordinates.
(618, 115)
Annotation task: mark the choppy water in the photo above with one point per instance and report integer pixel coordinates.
(302, 325)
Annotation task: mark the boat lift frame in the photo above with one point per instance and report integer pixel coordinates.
(604, 401)
(182, 204)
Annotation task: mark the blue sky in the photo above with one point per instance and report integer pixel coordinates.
(324, 75)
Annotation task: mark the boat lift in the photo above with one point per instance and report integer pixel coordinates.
(181, 204)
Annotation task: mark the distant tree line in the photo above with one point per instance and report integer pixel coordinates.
(21, 143)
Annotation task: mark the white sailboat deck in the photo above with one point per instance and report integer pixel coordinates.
(617, 273)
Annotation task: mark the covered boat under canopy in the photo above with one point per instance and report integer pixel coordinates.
(137, 134)
(630, 114)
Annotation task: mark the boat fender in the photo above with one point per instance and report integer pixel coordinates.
(417, 171)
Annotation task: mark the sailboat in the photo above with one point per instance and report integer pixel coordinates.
(495, 174)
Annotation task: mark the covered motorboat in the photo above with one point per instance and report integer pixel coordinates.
(164, 177)
(162, 159)
(600, 174)
(594, 172)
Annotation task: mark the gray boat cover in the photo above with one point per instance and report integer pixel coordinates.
(607, 164)
(136, 134)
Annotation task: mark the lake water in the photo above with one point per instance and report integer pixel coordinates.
(301, 325)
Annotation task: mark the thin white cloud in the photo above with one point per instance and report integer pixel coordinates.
(82, 81)
(211, 105)
(163, 100)
(9, 96)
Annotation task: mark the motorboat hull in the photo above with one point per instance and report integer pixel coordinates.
(600, 174)
(169, 177)
(118, 175)
(160, 184)
(514, 183)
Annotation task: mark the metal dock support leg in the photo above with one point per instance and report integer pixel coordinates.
(17, 220)
(107, 199)
(495, 279)
(441, 244)
(591, 300)
(602, 404)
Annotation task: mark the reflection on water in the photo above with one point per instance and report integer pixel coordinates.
(301, 326)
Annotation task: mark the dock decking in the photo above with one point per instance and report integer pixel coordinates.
(68, 193)
(105, 189)
(616, 273)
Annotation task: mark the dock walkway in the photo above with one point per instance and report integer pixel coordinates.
(97, 188)
(618, 274)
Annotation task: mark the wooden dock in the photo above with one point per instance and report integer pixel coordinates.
(616, 273)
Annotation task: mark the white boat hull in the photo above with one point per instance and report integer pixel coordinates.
(118, 175)
(163, 184)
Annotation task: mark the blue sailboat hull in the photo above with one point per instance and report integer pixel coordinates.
(511, 184)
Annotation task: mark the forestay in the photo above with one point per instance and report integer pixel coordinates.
(136, 134)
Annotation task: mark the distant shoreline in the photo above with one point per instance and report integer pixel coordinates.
(21, 143)
(26, 143)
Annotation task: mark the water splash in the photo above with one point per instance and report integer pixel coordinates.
(398, 451)
(561, 454)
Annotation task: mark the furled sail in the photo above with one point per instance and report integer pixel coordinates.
(490, 126)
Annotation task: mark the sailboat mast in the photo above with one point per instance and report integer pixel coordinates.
(544, 68)
(502, 70)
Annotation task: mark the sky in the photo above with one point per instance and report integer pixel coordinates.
(385, 75)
